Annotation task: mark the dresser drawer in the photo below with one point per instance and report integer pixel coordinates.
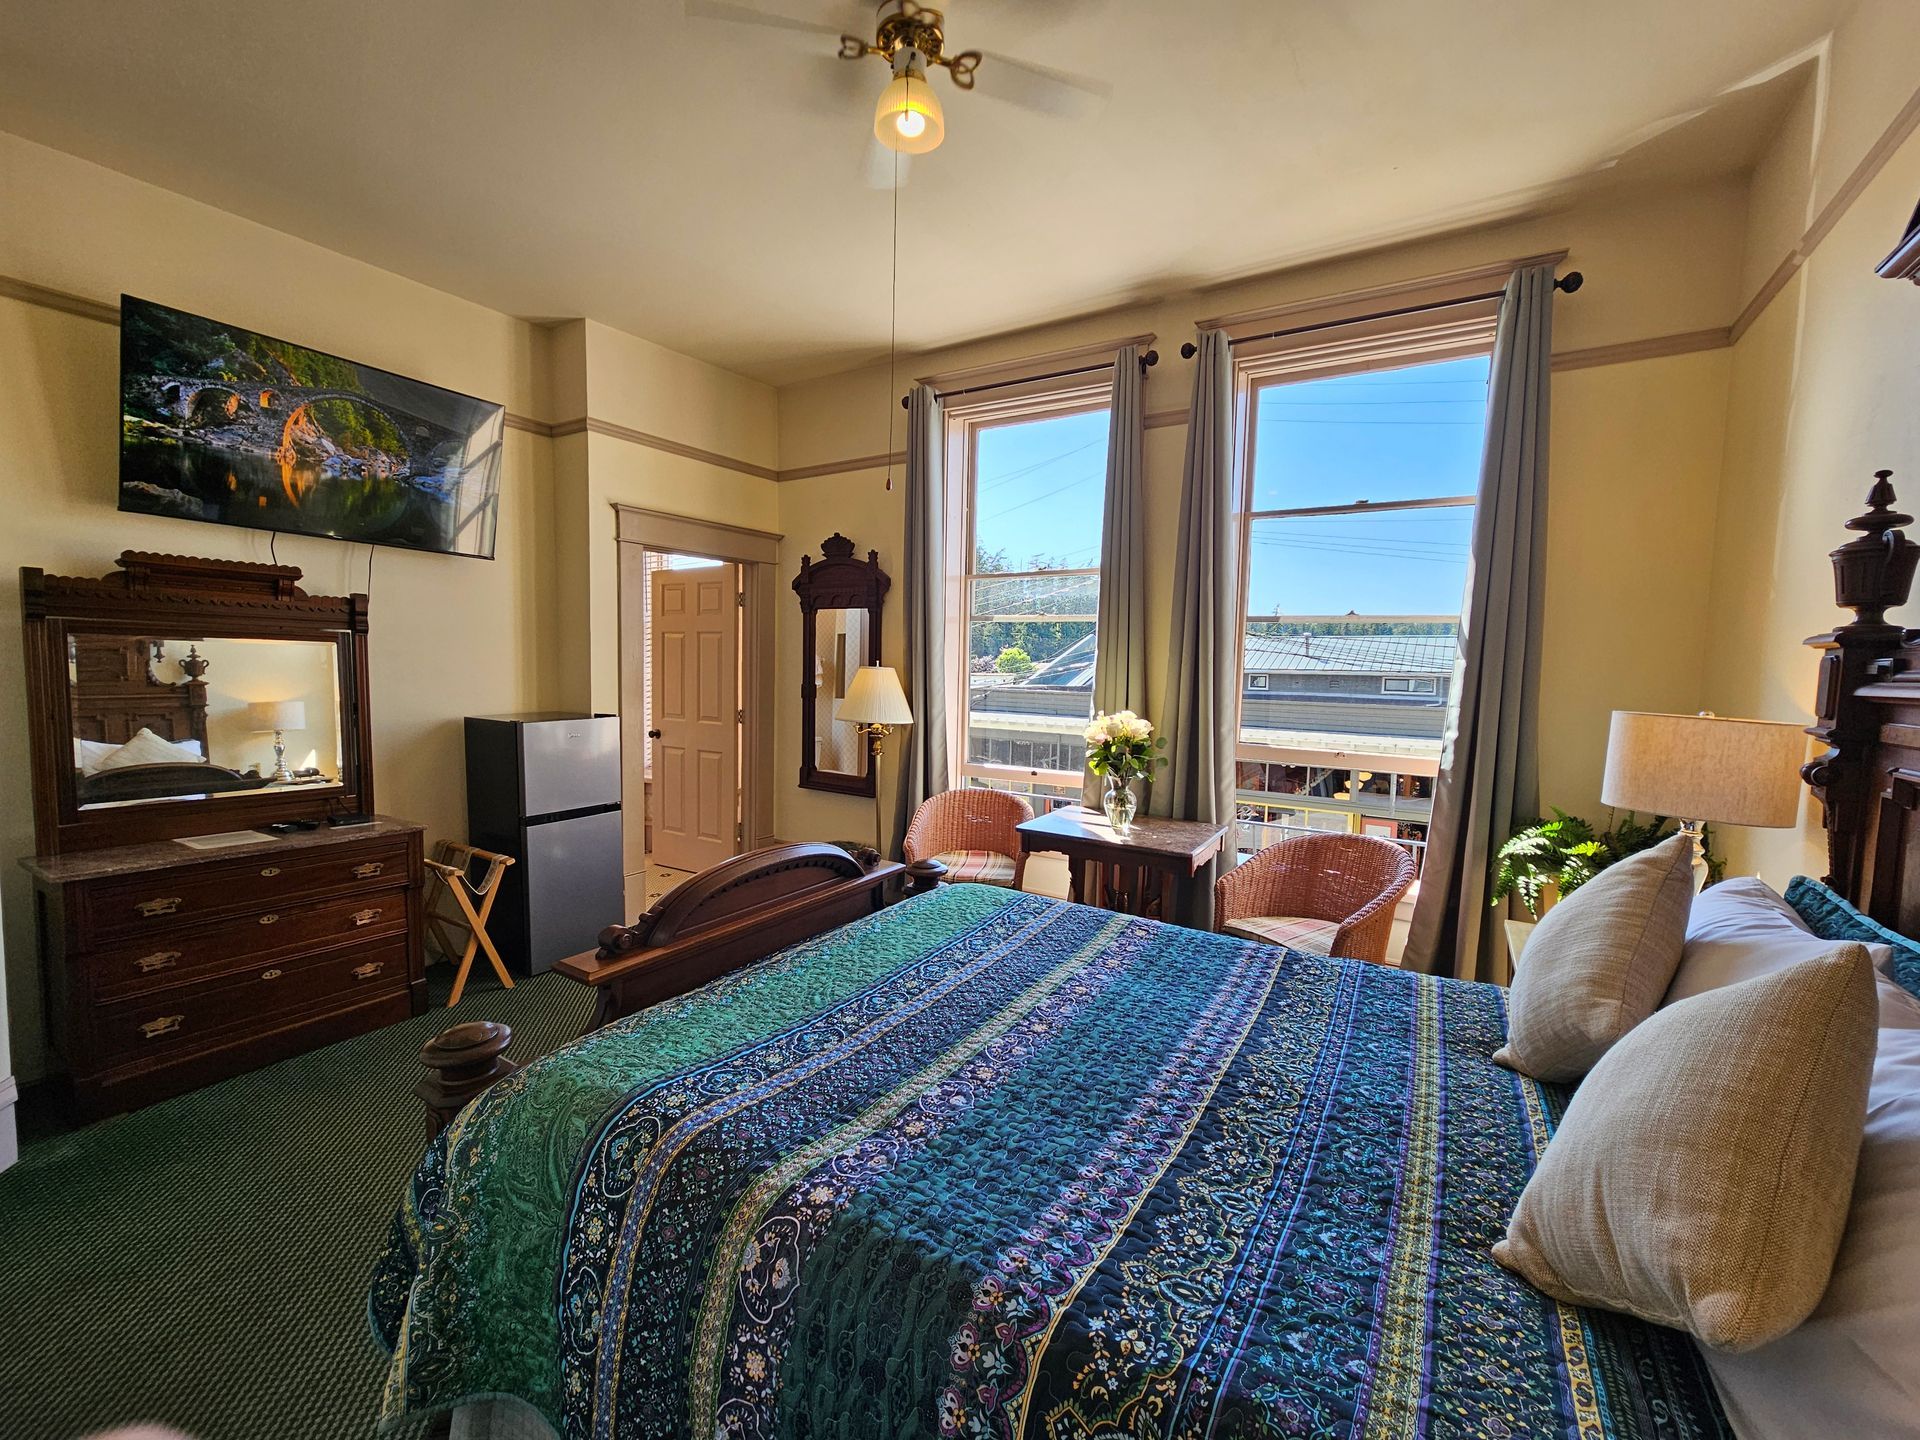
(241, 943)
(150, 904)
(183, 1015)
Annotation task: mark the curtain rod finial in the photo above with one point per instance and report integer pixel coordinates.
(1189, 350)
(1570, 282)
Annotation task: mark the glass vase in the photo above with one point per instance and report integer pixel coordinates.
(1119, 804)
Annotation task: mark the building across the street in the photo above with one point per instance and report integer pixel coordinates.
(1338, 731)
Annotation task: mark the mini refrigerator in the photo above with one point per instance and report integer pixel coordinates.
(545, 789)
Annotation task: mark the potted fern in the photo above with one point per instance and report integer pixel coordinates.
(1550, 859)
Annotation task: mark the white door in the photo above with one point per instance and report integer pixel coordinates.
(696, 715)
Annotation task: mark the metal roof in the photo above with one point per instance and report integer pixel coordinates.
(1352, 654)
(1072, 668)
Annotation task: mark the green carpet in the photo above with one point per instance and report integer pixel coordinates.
(203, 1262)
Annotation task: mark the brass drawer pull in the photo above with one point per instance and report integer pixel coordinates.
(268, 919)
(270, 871)
(368, 870)
(165, 1025)
(159, 960)
(365, 917)
(152, 908)
(270, 974)
(369, 970)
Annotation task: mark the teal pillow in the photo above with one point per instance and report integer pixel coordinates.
(1829, 915)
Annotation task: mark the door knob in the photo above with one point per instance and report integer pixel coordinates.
(653, 734)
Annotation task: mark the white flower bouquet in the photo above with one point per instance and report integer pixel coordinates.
(1123, 748)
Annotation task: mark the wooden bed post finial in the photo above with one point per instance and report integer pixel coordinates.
(461, 1062)
(1874, 573)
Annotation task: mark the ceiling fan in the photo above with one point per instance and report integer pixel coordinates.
(911, 38)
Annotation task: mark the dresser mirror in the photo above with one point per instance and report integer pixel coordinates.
(181, 697)
(179, 717)
(840, 600)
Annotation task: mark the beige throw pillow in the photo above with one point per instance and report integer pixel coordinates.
(1701, 1176)
(1598, 963)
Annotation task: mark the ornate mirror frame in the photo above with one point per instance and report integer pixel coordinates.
(159, 594)
(837, 582)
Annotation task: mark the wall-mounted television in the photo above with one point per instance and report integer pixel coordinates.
(225, 424)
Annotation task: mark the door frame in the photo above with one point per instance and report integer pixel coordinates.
(757, 553)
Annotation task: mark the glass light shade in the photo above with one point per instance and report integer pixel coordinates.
(875, 698)
(1705, 767)
(908, 117)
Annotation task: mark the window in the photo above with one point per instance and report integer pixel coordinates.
(1026, 569)
(1361, 462)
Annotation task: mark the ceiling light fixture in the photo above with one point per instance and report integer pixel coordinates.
(908, 117)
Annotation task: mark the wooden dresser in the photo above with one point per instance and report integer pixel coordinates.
(169, 967)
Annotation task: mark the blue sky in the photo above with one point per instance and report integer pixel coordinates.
(1397, 434)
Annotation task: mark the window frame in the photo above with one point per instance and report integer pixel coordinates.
(965, 418)
(1444, 331)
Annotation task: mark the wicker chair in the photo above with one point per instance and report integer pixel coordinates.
(1327, 894)
(972, 833)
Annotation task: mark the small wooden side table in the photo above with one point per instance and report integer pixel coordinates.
(1145, 872)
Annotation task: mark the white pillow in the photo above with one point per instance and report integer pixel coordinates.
(1739, 929)
(147, 748)
(1853, 1368)
(87, 754)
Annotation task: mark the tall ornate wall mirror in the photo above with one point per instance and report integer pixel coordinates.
(839, 632)
(183, 697)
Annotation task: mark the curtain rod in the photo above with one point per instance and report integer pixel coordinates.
(1152, 357)
(1568, 283)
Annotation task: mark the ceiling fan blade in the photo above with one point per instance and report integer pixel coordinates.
(747, 15)
(879, 165)
(1036, 87)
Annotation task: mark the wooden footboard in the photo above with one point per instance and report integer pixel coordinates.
(739, 912)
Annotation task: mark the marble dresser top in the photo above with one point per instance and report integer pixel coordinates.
(170, 854)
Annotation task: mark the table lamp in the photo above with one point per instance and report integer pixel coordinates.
(875, 704)
(1704, 768)
(279, 716)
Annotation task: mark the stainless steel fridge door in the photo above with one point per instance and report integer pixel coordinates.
(570, 764)
(574, 885)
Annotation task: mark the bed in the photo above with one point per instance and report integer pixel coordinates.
(986, 1163)
(115, 699)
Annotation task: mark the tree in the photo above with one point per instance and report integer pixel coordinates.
(1014, 661)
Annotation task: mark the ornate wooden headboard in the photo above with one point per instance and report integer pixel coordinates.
(1868, 716)
(116, 694)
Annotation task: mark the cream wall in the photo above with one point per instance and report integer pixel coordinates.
(1823, 391)
(450, 636)
(1636, 463)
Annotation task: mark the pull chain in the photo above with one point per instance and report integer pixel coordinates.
(893, 317)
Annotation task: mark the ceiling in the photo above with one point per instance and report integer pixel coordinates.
(703, 183)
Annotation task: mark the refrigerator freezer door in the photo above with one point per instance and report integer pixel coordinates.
(570, 764)
(574, 885)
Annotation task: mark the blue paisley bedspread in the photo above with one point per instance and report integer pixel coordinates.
(988, 1164)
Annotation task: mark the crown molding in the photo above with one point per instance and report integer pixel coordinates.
(1897, 133)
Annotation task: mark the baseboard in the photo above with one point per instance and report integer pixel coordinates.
(9, 1129)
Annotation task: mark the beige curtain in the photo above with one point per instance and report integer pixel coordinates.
(1489, 774)
(1120, 653)
(924, 768)
(1203, 667)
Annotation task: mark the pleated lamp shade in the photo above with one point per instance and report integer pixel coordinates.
(875, 698)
